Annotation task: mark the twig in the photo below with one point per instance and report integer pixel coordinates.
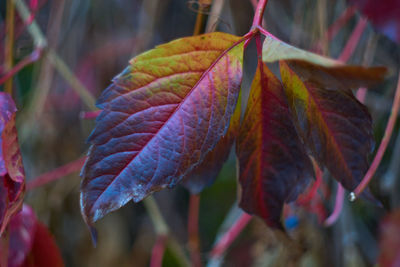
(313, 190)
(347, 14)
(353, 40)
(34, 56)
(385, 141)
(258, 16)
(193, 230)
(227, 239)
(33, 28)
(158, 251)
(9, 47)
(338, 206)
(56, 174)
(89, 114)
(161, 228)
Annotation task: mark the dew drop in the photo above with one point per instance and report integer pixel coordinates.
(352, 197)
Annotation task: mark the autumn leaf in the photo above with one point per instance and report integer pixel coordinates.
(12, 185)
(206, 173)
(30, 243)
(160, 118)
(334, 125)
(274, 167)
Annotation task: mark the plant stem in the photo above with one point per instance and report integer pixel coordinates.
(56, 174)
(9, 44)
(33, 28)
(385, 141)
(160, 226)
(258, 16)
(199, 21)
(340, 22)
(158, 251)
(161, 229)
(313, 190)
(338, 206)
(353, 40)
(227, 239)
(193, 230)
(34, 56)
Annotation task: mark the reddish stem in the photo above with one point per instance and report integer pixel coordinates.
(193, 230)
(34, 56)
(338, 206)
(311, 193)
(347, 14)
(258, 16)
(89, 114)
(227, 239)
(158, 251)
(56, 174)
(385, 141)
(353, 40)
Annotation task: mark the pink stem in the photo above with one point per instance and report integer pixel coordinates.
(340, 22)
(353, 40)
(311, 193)
(158, 251)
(56, 173)
(385, 141)
(193, 230)
(338, 206)
(230, 236)
(258, 16)
(34, 56)
(89, 114)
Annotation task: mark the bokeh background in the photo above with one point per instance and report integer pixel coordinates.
(95, 39)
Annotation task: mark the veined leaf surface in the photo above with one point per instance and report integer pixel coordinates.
(333, 124)
(274, 167)
(206, 172)
(12, 176)
(160, 118)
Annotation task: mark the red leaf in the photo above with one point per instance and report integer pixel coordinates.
(274, 167)
(390, 240)
(44, 251)
(12, 177)
(30, 243)
(334, 125)
(160, 118)
(21, 234)
(384, 15)
(205, 173)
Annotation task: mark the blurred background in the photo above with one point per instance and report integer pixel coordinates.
(95, 40)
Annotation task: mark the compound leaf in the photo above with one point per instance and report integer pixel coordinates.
(160, 118)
